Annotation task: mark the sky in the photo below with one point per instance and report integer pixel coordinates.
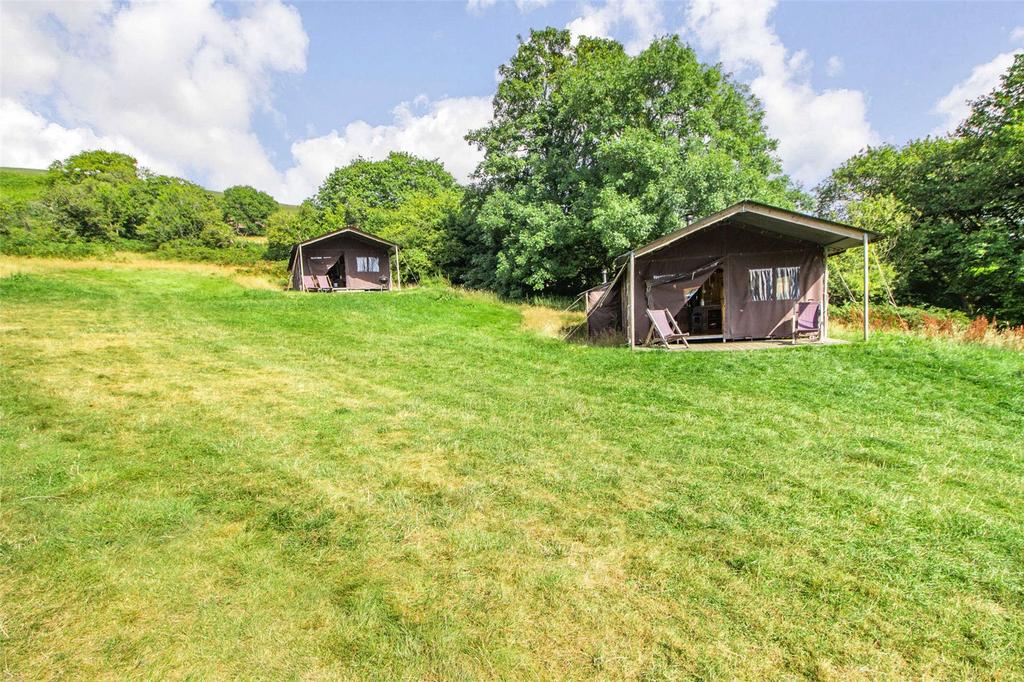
(277, 94)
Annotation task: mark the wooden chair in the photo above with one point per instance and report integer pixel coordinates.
(807, 320)
(664, 326)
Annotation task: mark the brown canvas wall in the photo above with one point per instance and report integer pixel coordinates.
(740, 248)
(606, 317)
(759, 319)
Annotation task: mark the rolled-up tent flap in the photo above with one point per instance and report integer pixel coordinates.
(673, 292)
(603, 311)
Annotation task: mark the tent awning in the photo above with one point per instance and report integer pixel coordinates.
(673, 292)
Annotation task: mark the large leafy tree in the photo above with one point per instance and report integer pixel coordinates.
(111, 167)
(403, 198)
(182, 210)
(956, 228)
(247, 209)
(97, 195)
(592, 152)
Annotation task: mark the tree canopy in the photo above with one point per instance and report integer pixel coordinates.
(592, 152)
(956, 225)
(102, 196)
(247, 209)
(403, 198)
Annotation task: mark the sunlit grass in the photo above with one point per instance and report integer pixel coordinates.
(201, 478)
(22, 184)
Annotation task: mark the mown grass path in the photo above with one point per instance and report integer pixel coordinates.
(199, 479)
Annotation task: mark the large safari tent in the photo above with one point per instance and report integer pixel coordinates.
(344, 260)
(739, 274)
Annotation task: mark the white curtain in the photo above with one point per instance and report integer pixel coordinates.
(760, 284)
(787, 284)
(367, 264)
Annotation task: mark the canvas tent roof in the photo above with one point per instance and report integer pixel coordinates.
(833, 236)
(348, 230)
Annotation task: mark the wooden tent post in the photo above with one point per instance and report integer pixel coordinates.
(398, 269)
(824, 299)
(631, 303)
(302, 272)
(865, 286)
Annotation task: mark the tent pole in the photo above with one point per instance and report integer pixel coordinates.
(398, 269)
(824, 299)
(632, 300)
(302, 272)
(865, 286)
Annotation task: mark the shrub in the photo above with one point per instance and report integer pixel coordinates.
(247, 209)
(185, 211)
(285, 229)
(239, 253)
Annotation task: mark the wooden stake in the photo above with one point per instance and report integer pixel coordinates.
(632, 300)
(398, 269)
(866, 286)
(824, 299)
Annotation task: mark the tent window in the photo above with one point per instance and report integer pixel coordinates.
(367, 264)
(787, 284)
(760, 284)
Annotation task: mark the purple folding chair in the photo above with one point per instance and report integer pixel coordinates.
(664, 326)
(807, 320)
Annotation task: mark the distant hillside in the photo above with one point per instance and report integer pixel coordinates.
(22, 184)
(28, 184)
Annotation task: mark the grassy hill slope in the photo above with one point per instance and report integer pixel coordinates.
(28, 184)
(22, 184)
(204, 479)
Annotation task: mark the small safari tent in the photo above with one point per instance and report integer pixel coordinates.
(344, 260)
(749, 272)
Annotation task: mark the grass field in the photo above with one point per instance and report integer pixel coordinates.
(203, 479)
(22, 184)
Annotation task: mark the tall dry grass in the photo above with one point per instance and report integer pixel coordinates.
(933, 323)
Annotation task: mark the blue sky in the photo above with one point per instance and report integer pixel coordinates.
(440, 49)
(276, 94)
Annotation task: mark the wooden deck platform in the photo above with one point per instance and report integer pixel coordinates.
(762, 344)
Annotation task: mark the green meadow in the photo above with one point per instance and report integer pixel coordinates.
(22, 184)
(204, 479)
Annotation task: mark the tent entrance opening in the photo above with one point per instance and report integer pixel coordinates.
(336, 273)
(702, 314)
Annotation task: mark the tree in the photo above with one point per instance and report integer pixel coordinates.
(285, 229)
(247, 209)
(185, 211)
(403, 199)
(348, 192)
(109, 167)
(957, 224)
(92, 195)
(592, 152)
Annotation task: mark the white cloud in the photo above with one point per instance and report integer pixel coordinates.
(816, 130)
(954, 106)
(176, 85)
(30, 141)
(1017, 34)
(523, 5)
(834, 66)
(642, 17)
(427, 129)
(31, 57)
